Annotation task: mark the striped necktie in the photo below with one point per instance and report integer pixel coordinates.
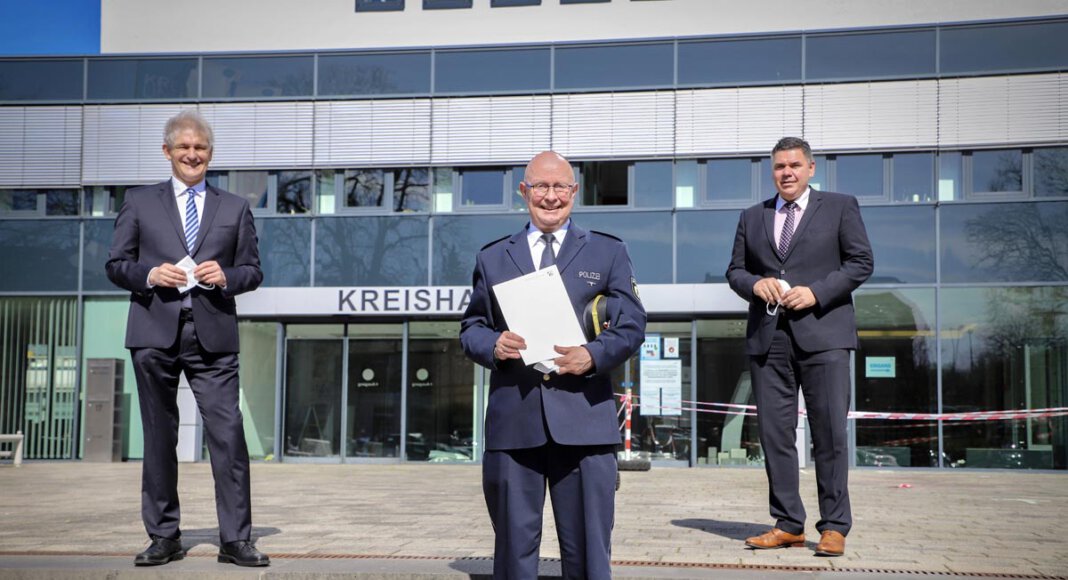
(787, 229)
(548, 257)
(192, 222)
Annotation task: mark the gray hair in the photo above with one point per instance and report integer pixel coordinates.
(187, 119)
(790, 143)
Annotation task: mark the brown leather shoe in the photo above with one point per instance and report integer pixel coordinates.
(776, 538)
(832, 543)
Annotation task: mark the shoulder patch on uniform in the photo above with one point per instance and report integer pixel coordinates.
(605, 235)
(634, 287)
(494, 242)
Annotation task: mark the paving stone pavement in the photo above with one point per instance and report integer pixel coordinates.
(964, 522)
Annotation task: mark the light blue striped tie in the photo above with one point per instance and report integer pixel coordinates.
(192, 223)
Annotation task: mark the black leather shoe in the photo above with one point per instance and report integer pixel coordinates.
(242, 553)
(161, 551)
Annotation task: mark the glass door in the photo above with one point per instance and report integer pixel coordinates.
(314, 359)
(373, 404)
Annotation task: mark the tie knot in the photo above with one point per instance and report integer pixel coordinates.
(548, 239)
(790, 205)
(192, 192)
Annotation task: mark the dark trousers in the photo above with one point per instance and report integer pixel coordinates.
(581, 483)
(214, 381)
(824, 380)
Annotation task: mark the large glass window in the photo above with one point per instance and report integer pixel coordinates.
(896, 371)
(728, 180)
(950, 176)
(371, 251)
(285, 251)
(404, 190)
(1004, 242)
(313, 390)
(98, 234)
(142, 78)
(652, 183)
(647, 235)
(445, 4)
(374, 402)
(258, 77)
(886, 54)
(41, 80)
(903, 242)
(604, 183)
(441, 395)
(859, 175)
(39, 255)
(762, 60)
(1003, 47)
(102, 200)
(258, 377)
(374, 74)
(475, 71)
(631, 65)
(30, 202)
(726, 435)
(379, 5)
(705, 240)
(1005, 349)
(501, 3)
(287, 192)
(997, 171)
(457, 239)
(103, 336)
(1051, 172)
(484, 186)
(913, 177)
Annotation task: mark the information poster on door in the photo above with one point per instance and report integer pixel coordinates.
(661, 387)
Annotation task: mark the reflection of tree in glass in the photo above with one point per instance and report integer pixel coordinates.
(1008, 174)
(359, 80)
(1051, 172)
(364, 188)
(1021, 316)
(61, 202)
(372, 250)
(411, 189)
(294, 191)
(284, 251)
(1027, 242)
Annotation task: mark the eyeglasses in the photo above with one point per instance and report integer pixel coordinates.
(561, 189)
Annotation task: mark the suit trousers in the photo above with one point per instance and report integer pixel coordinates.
(581, 481)
(213, 378)
(824, 380)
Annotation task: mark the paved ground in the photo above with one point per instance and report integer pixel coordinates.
(76, 520)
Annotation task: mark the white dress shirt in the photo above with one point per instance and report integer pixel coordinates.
(181, 198)
(780, 213)
(537, 245)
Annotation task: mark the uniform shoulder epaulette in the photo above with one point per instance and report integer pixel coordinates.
(605, 235)
(498, 240)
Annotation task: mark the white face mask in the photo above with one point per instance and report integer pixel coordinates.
(772, 311)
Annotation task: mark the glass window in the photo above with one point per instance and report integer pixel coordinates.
(458, 238)
(1051, 172)
(18, 201)
(886, 54)
(443, 189)
(903, 241)
(1005, 349)
(379, 5)
(705, 241)
(473, 71)
(258, 77)
(1004, 242)
(32, 201)
(371, 251)
(61, 202)
(482, 187)
(101, 200)
(285, 251)
(1003, 47)
(360, 188)
(859, 175)
(374, 405)
(729, 437)
(728, 179)
(819, 179)
(43, 254)
(41, 80)
(174, 78)
(604, 183)
(518, 203)
(411, 189)
(685, 183)
(647, 235)
(950, 178)
(997, 171)
(251, 185)
(441, 4)
(583, 1)
(740, 61)
(633, 65)
(313, 391)
(293, 190)
(896, 330)
(441, 395)
(374, 74)
(501, 3)
(652, 183)
(259, 343)
(98, 234)
(913, 177)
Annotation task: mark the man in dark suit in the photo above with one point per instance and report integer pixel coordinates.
(175, 326)
(558, 428)
(800, 334)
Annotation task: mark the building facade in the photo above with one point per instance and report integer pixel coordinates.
(380, 143)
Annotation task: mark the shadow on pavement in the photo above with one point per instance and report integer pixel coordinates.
(482, 568)
(731, 530)
(197, 536)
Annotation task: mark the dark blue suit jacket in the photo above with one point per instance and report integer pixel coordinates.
(829, 253)
(578, 410)
(149, 232)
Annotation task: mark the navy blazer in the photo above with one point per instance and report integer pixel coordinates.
(149, 232)
(578, 410)
(829, 253)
